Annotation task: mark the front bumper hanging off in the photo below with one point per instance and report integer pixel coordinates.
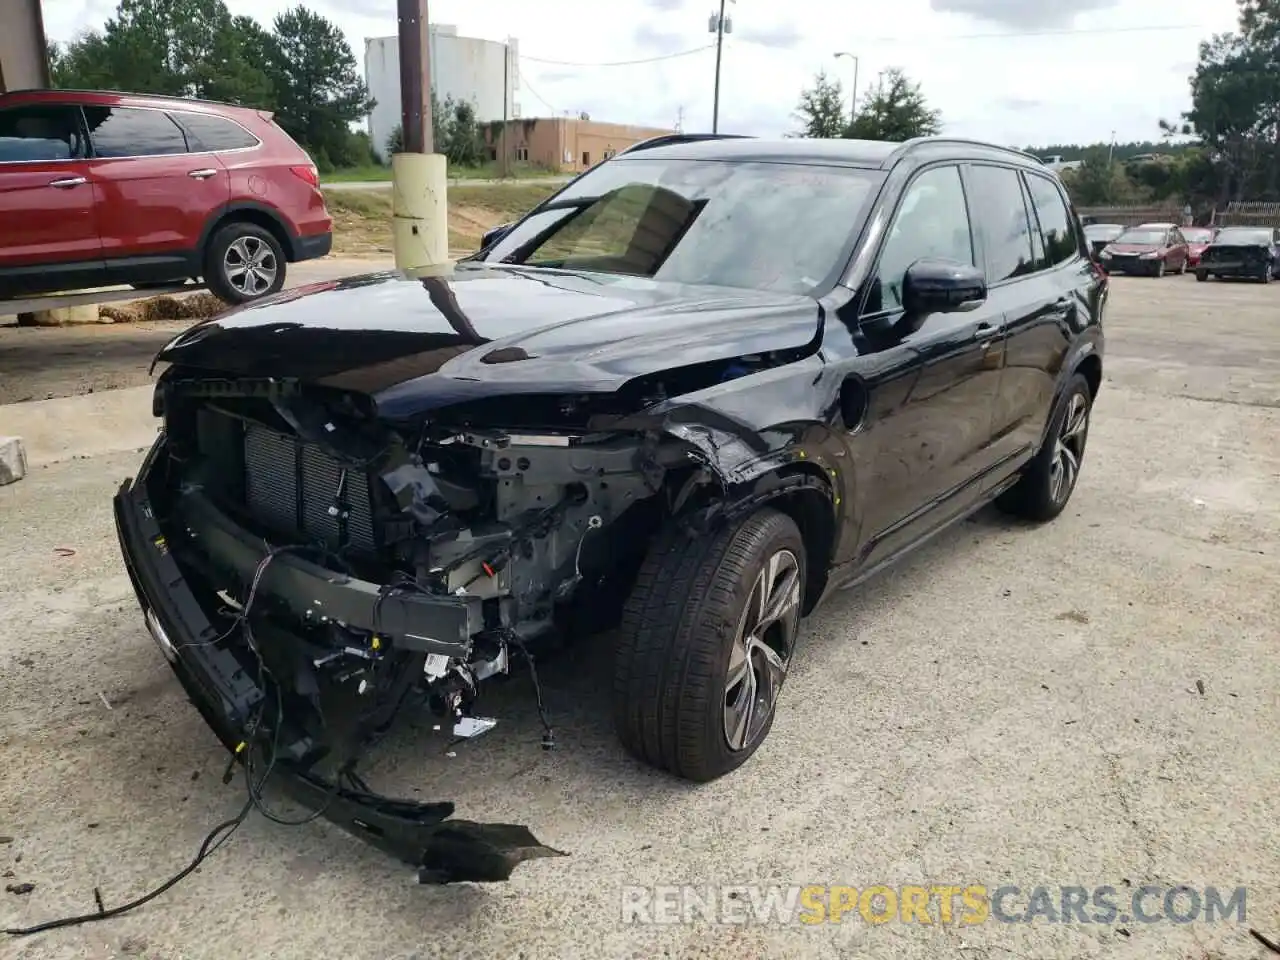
(421, 834)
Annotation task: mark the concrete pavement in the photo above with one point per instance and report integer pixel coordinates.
(1090, 702)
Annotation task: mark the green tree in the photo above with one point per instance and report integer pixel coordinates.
(440, 132)
(186, 48)
(1235, 104)
(317, 85)
(1099, 180)
(821, 109)
(896, 111)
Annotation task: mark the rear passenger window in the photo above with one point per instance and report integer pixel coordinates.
(38, 134)
(1001, 215)
(932, 221)
(205, 133)
(130, 132)
(1055, 220)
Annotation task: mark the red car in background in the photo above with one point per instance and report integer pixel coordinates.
(98, 189)
(1198, 238)
(1153, 249)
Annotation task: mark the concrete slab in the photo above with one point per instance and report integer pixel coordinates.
(86, 426)
(13, 460)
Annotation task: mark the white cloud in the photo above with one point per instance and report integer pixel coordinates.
(996, 68)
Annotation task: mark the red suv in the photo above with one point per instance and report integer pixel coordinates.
(109, 188)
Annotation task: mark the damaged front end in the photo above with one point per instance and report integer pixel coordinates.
(310, 570)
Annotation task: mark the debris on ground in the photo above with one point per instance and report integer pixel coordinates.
(1075, 616)
(19, 889)
(1200, 687)
(196, 306)
(13, 460)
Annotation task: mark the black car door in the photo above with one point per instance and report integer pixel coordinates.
(931, 396)
(1034, 269)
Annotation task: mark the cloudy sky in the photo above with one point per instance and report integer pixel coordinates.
(1013, 71)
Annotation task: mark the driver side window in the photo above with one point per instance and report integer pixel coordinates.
(932, 221)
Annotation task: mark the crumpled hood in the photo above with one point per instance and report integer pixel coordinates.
(414, 341)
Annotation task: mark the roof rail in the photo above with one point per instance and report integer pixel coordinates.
(136, 96)
(908, 145)
(668, 139)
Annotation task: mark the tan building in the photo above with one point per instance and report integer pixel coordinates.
(562, 144)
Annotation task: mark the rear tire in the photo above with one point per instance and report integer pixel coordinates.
(706, 638)
(1049, 480)
(243, 262)
(1267, 274)
(1202, 276)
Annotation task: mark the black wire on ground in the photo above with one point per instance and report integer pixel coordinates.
(548, 735)
(223, 831)
(212, 841)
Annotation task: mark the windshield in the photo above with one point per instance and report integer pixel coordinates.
(1197, 234)
(1154, 237)
(1242, 236)
(1102, 231)
(765, 226)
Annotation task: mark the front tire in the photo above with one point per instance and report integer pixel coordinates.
(1049, 480)
(1160, 269)
(707, 636)
(1268, 273)
(1202, 276)
(243, 262)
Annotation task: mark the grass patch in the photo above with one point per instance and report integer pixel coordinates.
(362, 218)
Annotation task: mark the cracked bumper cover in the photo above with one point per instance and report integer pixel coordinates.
(421, 834)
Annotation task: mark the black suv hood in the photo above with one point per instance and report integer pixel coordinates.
(414, 341)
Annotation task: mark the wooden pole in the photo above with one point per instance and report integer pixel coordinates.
(415, 77)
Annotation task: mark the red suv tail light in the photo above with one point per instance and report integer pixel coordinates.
(307, 173)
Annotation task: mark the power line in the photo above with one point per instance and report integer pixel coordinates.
(620, 63)
(537, 96)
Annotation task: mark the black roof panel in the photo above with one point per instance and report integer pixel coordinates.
(853, 153)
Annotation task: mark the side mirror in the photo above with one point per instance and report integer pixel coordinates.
(495, 234)
(942, 286)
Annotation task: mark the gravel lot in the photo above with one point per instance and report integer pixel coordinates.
(1010, 706)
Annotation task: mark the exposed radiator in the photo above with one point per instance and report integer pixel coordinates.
(291, 487)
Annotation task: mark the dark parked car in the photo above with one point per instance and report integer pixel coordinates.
(695, 392)
(1152, 249)
(99, 189)
(1100, 234)
(1198, 238)
(1251, 252)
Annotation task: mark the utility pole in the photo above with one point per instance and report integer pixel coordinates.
(419, 175)
(719, 26)
(853, 97)
(504, 167)
(415, 77)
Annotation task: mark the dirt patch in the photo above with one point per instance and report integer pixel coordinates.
(362, 218)
(197, 306)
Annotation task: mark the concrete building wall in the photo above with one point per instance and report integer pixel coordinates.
(24, 61)
(568, 145)
(463, 68)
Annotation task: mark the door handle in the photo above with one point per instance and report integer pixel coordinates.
(203, 174)
(66, 183)
(985, 330)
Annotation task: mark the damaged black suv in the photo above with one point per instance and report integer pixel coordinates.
(707, 383)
